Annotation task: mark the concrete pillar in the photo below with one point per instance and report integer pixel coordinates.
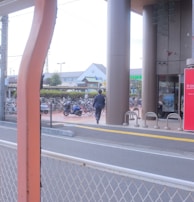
(118, 46)
(3, 64)
(149, 78)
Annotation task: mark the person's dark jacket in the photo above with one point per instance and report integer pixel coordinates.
(99, 101)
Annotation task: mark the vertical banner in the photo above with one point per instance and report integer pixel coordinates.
(189, 99)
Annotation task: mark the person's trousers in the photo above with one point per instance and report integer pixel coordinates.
(98, 113)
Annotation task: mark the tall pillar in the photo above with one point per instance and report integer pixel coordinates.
(149, 80)
(3, 64)
(118, 46)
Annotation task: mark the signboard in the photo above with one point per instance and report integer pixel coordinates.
(136, 77)
(189, 100)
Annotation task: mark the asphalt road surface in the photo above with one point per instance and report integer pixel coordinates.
(163, 154)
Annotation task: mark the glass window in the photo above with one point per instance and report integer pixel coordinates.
(168, 95)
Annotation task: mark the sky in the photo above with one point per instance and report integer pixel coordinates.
(80, 37)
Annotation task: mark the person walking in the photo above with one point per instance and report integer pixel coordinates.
(98, 104)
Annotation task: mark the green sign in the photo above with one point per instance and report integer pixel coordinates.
(135, 77)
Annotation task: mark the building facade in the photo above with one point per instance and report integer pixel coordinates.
(167, 45)
(168, 33)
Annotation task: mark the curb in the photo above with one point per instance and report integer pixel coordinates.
(52, 131)
(67, 133)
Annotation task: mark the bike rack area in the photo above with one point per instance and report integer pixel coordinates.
(129, 115)
(138, 113)
(174, 116)
(152, 115)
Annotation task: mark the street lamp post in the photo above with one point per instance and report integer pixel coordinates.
(61, 64)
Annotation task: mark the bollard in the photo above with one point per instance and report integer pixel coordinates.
(51, 112)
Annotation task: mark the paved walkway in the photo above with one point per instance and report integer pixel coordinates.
(60, 119)
(173, 124)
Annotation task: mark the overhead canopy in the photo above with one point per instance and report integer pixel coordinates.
(137, 5)
(9, 6)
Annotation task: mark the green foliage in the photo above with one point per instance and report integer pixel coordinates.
(14, 93)
(55, 80)
(47, 81)
(92, 94)
(59, 93)
(51, 93)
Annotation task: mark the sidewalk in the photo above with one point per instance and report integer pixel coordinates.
(58, 119)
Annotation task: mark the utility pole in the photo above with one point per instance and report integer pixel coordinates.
(3, 63)
(61, 65)
(47, 63)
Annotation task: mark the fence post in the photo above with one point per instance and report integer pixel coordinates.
(51, 112)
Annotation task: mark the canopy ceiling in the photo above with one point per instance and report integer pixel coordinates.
(9, 6)
(137, 5)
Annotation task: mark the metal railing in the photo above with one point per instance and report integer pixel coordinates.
(130, 115)
(153, 115)
(175, 116)
(66, 178)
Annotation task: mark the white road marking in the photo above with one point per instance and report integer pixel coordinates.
(186, 156)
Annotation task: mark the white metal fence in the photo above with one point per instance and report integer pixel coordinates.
(65, 178)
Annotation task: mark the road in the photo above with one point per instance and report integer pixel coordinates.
(166, 155)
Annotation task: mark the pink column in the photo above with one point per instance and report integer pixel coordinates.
(28, 100)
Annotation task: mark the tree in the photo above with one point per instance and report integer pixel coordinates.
(55, 80)
(47, 81)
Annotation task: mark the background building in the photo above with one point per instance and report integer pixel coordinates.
(93, 76)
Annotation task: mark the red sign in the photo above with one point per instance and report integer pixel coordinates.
(189, 99)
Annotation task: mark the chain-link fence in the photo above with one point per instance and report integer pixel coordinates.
(65, 178)
(8, 172)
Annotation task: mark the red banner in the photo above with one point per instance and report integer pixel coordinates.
(189, 99)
